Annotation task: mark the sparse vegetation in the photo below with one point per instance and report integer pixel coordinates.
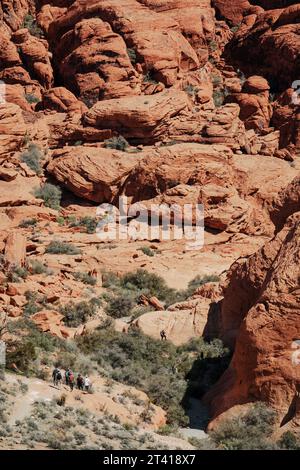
(199, 281)
(37, 267)
(16, 273)
(191, 90)
(148, 364)
(31, 24)
(50, 194)
(89, 223)
(32, 157)
(147, 251)
(26, 223)
(251, 431)
(85, 278)
(132, 55)
(63, 248)
(117, 143)
(150, 77)
(31, 98)
(77, 313)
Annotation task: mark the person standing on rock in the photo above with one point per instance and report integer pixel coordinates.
(87, 383)
(56, 376)
(80, 382)
(71, 380)
(67, 374)
(163, 335)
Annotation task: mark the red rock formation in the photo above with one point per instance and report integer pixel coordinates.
(260, 311)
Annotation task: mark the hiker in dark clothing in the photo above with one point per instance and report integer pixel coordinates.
(71, 380)
(163, 335)
(55, 374)
(67, 374)
(80, 382)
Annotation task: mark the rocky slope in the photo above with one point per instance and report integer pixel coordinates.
(135, 98)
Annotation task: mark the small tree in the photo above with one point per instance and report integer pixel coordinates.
(51, 195)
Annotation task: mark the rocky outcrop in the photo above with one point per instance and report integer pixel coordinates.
(15, 249)
(92, 173)
(261, 309)
(269, 41)
(255, 108)
(12, 129)
(259, 318)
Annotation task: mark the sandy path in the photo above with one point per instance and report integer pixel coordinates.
(37, 390)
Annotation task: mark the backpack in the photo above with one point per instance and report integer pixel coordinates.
(58, 376)
(71, 377)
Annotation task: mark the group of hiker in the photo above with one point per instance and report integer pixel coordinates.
(82, 383)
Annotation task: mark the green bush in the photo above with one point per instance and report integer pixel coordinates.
(147, 251)
(289, 441)
(218, 97)
(51, 195)
(63, 248)
(31, 24)
(199, 281)
(31, 98)
(247, 432)
(32, 157)
(16, 273)
(22, 354)
(28, 223)
(76, 314)
(119, 305)
(191, 90)
(117, 143)
(85, 278)
(132, 55)
(90, 223)
(37, 267)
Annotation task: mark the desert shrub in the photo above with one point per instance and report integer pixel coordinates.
(216, 80)
(200, 281)
(76, 314)
(16, 273)
(150, 77)
(143, 362)
(141, 282)
(147, 251)
(85, 278)
(22, 354)
(247, 432)
(110, 279)
(34, 303)
(61, 247)
(90, 223)
(218, 97)
(51, 195)
(289, 441)
(37, 267)
(117, 143)
(28, 223)
(212, 46)
(132, 55)
(191, 90)
(31, 24)
(119, 305)
(31, 98)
